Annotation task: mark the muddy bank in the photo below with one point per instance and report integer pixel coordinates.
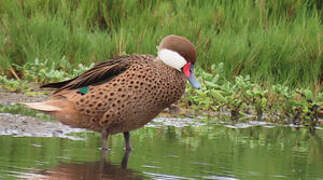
(10, 98)
(18, 125)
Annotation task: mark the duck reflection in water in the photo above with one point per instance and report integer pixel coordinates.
(92, 170)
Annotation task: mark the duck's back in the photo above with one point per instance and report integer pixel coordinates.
(136, 89)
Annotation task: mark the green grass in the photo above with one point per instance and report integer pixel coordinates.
(272, 41)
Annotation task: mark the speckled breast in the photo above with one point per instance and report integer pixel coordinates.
(133, 98)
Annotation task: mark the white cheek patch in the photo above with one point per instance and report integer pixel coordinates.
(171, 58)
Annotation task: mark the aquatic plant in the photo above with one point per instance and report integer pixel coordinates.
(243, 96)
(258, 98)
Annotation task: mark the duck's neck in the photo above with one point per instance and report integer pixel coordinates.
(171, 58)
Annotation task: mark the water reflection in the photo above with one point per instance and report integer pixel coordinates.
(102, 169)
(210, 151)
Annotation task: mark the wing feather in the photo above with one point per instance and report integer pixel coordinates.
(99, 74)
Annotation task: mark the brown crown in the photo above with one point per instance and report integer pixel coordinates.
(180, 45)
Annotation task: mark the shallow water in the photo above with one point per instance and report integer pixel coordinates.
(170, 149)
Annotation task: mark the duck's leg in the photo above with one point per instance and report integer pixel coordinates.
(125, 158)
(104, 147)
(126, 136)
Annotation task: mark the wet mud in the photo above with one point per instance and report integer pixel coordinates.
(18, 125)
(10, 98)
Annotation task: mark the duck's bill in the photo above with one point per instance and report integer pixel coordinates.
(192, 79)
(189, 73)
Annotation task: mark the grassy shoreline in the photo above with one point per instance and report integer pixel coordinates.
(272, 42)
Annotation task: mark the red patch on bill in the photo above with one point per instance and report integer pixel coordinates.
(187, 69)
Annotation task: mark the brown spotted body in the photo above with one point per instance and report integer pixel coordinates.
(129, 100)
(126, 92)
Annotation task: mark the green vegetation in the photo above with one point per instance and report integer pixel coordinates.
(243, 98)
(271, 41)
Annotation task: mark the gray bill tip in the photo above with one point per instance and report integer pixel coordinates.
(192, 79)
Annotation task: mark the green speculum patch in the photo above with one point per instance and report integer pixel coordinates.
(83, 90)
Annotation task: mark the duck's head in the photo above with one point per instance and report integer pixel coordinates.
(179, 53)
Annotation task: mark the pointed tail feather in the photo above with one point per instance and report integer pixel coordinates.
(60, 109)
(42, 106)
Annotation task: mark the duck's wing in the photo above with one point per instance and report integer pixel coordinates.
(100, 73)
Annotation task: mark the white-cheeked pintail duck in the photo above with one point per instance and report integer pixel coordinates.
(124, 93)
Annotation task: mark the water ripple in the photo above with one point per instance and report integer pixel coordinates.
(214, 177)
(158, 176)
(176, 122)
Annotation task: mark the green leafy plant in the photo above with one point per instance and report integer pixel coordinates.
(280, 103)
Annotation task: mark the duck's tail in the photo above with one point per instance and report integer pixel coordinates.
(46, 106)
(60, 109)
